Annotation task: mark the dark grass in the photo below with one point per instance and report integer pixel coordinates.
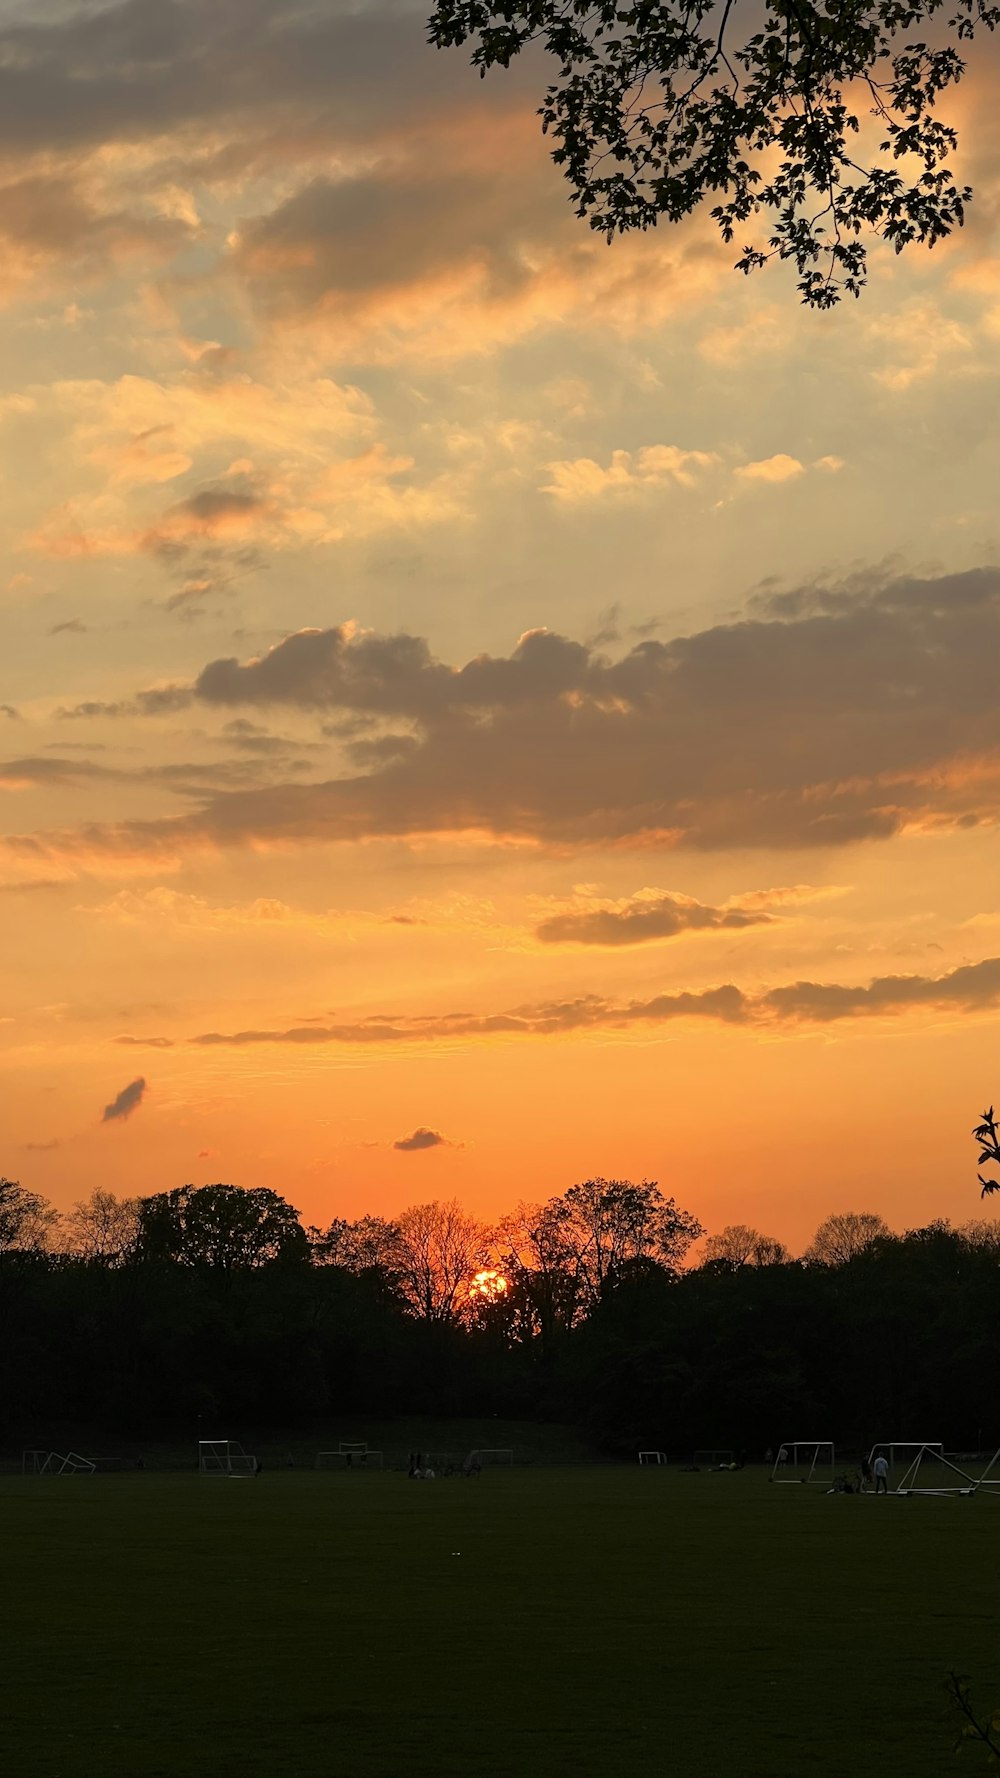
(596, 1621)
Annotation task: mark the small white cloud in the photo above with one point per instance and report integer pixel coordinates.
(581, 478)
(780, 468)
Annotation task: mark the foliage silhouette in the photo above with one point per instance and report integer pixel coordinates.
(223, 1309)
(987, 1134)
(657, 110)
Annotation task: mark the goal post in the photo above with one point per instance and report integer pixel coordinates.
(225, 1457)
(990, 1478)
(931, 1472)
(652, 1457)
(710, 1459)
(809, 1462)
(350, 1454)
(903, 1450)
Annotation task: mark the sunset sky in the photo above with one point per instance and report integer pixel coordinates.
(461, 677)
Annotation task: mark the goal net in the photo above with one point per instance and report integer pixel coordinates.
(493, 1458)
(225, 1457)
(809, 1461)
(654, 1457)
(350, 1454)
(709, 1459)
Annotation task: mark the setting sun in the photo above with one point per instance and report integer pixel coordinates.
(488, 1287)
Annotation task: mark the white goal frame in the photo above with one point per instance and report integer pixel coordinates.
(55, 1463)
(813, 1454)
(500, 1457)
(963, 1487)
(711, 1458)
(350, 1454)
(225, 1457)
(889, 1447)
(654, 1457)
(986, 1480)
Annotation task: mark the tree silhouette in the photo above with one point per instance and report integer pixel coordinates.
(439, 1249)
(658, 108)
(842, 1237)
(609, 1223)
(222, 1228)
(27, 1220)
(737, 1245)
(102, 1227)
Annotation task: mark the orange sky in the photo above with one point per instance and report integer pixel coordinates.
(457, 675)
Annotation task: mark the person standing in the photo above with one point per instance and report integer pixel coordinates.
(881, 1467)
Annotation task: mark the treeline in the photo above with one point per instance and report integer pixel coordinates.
(186, 1309)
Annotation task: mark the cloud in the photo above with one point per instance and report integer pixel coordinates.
(149, 1043)
(128, 1100)
(780, 468)
(652, 914)
(545, 1019)
(43, 1147)
(71, 627)
(656, 466)
(421, 1138)
(831, 715)
(970, 988)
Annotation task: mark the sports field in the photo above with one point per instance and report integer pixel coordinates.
(577, 1621)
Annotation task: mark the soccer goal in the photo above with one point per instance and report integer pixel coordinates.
(652, 1456)
(442, 1462)
(900, 1455)
(931, 1472)
(809, 1461)
(712, 1459)
(350, 1454)
(55, 1463)
(493, 1458)
(226, 1457)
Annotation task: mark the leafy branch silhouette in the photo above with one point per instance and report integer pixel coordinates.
(987, 1134)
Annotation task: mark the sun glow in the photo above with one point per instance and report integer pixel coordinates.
(488, 1287)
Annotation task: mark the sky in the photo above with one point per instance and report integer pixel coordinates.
(480, 708)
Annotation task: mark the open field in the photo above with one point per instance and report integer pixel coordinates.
(595, 1621)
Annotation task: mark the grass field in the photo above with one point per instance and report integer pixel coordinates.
(596, 1620)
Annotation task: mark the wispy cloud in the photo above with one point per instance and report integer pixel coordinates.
(970, 988)
(652, 914)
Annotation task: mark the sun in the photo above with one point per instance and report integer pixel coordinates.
(488, 1287)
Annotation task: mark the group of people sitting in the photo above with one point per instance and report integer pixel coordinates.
(420, 1468)
(867, 1476)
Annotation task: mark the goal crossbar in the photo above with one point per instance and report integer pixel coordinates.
(225, 1457)
(652, 1456)
(349, 1457)
(817, 1456)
